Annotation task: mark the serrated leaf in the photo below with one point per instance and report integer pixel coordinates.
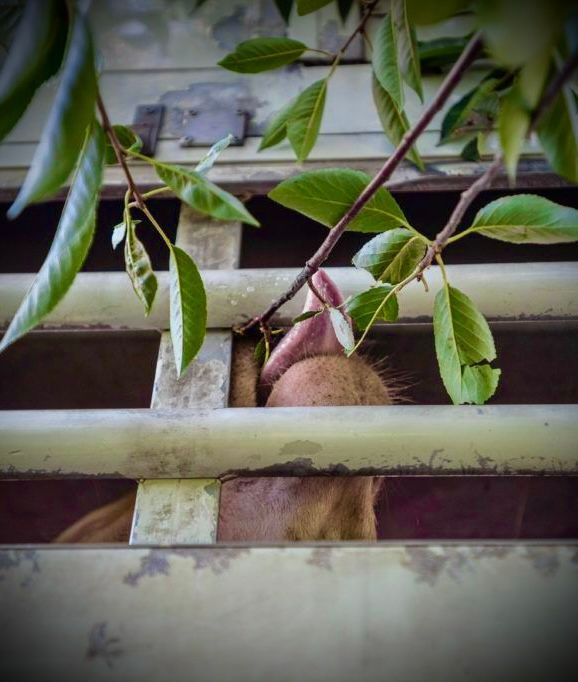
(35, 55)
(407, 54)
(470, 152)
(342, 329)
(65, 128)
(558, 134)
(440, 52)
(430, 12)
(277, 129)
(118, 234)
(304, 119)
(364, 306)
(393, 121)
(479, 383)
(516, 108)
(71, 241)
(139, 268)
(462, 338)
(188, 308)
(128, 139)
(527, 219)
(384, 60)
(208, 161)
(202, 195)
(474, 112)
(391, 256)
(284, 7)
(263, 54)
(326, 195)
(308, 6)
(307, 315)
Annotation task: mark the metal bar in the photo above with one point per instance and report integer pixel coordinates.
(186, 511)
(461, 611)
(501, 291)
(503, 439)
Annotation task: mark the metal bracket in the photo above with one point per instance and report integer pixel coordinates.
(147, 123)
(202, 128)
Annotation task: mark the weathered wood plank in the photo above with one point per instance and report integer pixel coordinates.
(389, 440)
(487, 611)
(500, 290)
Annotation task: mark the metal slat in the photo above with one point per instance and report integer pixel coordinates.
(461, 611)
(186, 511)
(500, 290)
(399, 439)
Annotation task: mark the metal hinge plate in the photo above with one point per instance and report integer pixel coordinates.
(202, 128)
(147, 122)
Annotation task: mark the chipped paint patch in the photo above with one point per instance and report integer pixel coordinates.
(300, 448)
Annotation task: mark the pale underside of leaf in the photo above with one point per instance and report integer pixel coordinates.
(71, 242)
(188, 308)
(208, 161)
(342, 329)
(326, 195)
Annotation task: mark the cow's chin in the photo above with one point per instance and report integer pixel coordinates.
(329, 380)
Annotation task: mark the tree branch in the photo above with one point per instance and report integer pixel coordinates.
(109, 131)
(469, 54)
(553, 89)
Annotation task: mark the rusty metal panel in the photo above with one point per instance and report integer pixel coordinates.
(449, 611)
(500, 290)
(388, 440)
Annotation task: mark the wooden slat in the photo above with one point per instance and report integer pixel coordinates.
(388, 440)
(186, 511)
(460, 611)
(500, 290)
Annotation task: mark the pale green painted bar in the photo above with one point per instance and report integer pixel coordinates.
(399, 439)
(500, 290)
(401, 612)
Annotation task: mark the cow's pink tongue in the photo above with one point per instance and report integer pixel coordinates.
(314, 336)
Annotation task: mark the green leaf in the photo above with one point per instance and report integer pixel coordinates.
(202, 195)
(307, 315)
(327, 194)
(65, 129)
(516, 108)
(430, 12)
(479, 383)
(305, 117)
(35, 55)
(391, 256)
(407, 54)
(284, 7)
(527, 219)
(462, 338)
(385, 66)
(188, 308)
(440, 52)
(118, 234)
(208, 161)
(470, 152)
(261, 352)
(308, 6)
(474, 112)
(128, 139)
(263, 54)
(71, 241)
(344, 7)
(393, 121)
(342, 329)
(277, 129)
(363, 306)
(139, 267)
(558, 134)
(516, 31)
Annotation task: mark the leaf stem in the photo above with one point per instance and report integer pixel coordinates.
(156, 225)
(469, 54)
(360, 28)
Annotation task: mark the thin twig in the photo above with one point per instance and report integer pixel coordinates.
(317, 293)
(553, 89)
(314, 263)
(119, 153)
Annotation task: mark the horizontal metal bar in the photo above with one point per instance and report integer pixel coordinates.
(501, 290)
(497, 439)
(477, 612)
